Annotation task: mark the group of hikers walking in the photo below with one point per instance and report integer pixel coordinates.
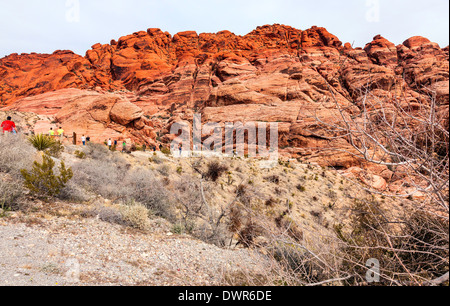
(59, 133)
(113, 145)
(8, 126)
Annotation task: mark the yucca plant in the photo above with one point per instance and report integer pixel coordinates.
(41, 142)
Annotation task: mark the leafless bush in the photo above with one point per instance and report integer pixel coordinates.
(412, 141)
(106, 214)
(142, 186)
(411, 242)
(97, 151)
(215, 170)
(197, 215)
(164, 170)
(411, 250)
(76, 193)
(15, 154)
(273, 179)
(10, 194)
(156, 159)
(100, 177)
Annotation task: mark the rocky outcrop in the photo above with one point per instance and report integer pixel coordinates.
(125, 112)
(137, 86)
(84, 112)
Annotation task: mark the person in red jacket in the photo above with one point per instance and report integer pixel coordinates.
(8, 126)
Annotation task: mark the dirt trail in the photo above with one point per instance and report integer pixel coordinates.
(62, 251)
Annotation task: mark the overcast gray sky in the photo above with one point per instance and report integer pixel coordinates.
(47, 25)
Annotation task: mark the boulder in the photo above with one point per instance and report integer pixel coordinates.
(125, 112)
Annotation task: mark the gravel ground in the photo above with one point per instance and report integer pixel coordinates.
(61, 251)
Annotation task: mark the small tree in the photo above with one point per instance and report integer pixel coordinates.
(42, 181)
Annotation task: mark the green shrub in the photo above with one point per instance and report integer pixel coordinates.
(56, 149)
(178, 228)
(42, 181)
(166, 151)
(301, 188)
(80, 154)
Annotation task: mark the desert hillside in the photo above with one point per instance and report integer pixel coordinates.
(148, 218)
(361, 172)
(185, 229)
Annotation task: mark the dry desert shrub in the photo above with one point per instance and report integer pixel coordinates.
(143, 186)
(106, 214)
(136, 215)
(10, 194)
(15, 154)
(164, 170)
(99, 177)
(215, 171)
(97, 151)
(131, 214)
(75, 193)
(198, 214)
(109, 175)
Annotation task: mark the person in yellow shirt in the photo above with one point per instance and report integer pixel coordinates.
(60, 133)
(51, 133)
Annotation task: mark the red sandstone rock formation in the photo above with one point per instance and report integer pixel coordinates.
(137, 86)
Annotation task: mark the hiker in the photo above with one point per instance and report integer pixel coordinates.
(154, 149)
(110, 144)
(88, 139)
(60, 133)
(124, 146)
(8, 125)
(83, 140)
(144, 147)
(160, 147)
(51, 133)
(115, 143)
(180, 148)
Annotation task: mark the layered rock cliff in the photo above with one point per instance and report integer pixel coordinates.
(137, 86)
